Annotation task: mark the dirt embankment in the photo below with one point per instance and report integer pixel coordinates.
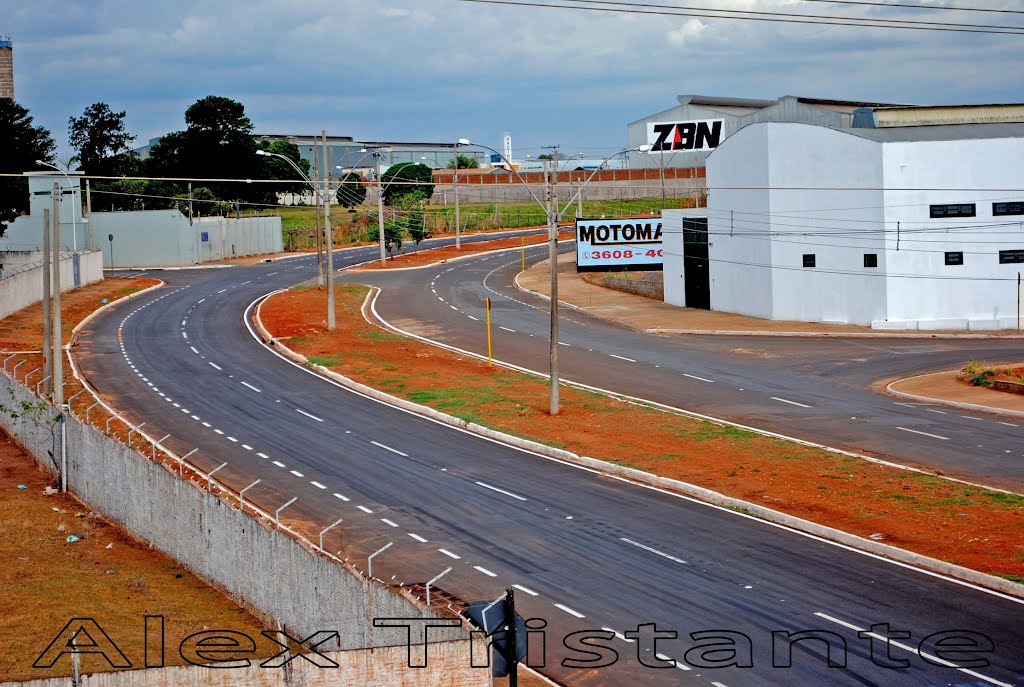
(436, 255)
(973, 527)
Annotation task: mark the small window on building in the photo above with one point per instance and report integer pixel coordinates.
(955, 258)
(871, 259)
(957, 210)
(1004, 209)
(809, 260)
(1007, 257)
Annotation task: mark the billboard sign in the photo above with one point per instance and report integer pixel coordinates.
(671, 137)
(618, 244)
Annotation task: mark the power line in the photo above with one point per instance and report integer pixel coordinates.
(781, 18)
(904, 5)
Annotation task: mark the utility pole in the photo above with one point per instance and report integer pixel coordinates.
(90, 238)
(319, 240)
(328, 237)
(455, 187)
(190, 203)
(380, 213)
(58, 360)
(551, 170)
(47, 314)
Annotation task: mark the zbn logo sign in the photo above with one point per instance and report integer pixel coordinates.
(672, 136)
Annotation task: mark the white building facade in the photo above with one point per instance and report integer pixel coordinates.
(894, 228)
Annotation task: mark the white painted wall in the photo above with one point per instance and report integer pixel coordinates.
(975, 292)
(779, 191)
(21, 285)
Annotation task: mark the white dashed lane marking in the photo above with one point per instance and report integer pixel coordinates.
(312, 417)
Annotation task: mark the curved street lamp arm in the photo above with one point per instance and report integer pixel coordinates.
(514, 171)
(579, 190)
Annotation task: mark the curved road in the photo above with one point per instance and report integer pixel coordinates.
(585, 551)
(817, 390)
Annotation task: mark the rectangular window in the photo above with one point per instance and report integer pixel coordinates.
(871, 259)
(809, 260)
(1007, 257)
(954, 258)
(957, 210)
(1004, 209)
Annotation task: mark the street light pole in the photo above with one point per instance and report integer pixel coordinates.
(554, 216)
(328, 239)
(74, 222)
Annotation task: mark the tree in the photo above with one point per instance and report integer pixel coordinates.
(204, 203)
(216, 143)
(276, 168)
(22, 144)
(411, 207)
(394, 232)
(464, 162)
(100, 140)
(405, 178)
(352, 191)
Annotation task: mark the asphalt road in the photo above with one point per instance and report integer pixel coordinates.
(585, 551)
(818, 390)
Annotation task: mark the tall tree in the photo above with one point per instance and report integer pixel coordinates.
(405, 178)
(100, 140)
(464, 162)
(352, 191)
(21, 144)
(276, 168)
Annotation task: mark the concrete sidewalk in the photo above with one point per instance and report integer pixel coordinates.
(657, 317)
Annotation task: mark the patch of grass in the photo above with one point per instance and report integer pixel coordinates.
(326, 361)
(1013, 578)
(1008, 500)
(902, 497)
(381, 337)
(626, 464)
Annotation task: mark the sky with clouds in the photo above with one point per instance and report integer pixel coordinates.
(438, 70)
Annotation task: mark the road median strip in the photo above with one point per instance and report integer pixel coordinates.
(940, 526)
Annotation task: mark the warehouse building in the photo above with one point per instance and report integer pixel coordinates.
(684, 135)
(903, 222)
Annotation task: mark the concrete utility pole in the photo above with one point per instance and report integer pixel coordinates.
(380, 214)
(58, 359)
(47, 313)
(551, 168)
(319, 239)
(328, 238)
(90, 239)
(455, 189)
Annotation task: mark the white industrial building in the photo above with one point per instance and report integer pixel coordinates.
(889, 226)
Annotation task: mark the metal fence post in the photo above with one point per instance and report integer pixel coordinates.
(88, 409)
(369, 561)
(159, 443)
(277, 513)
(132, 430)
(181, 461)
(241, 495)
(325, 531)
(111, 419)
(209, 477)
(438, 577)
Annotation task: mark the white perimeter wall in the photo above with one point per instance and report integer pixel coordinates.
(969, 295)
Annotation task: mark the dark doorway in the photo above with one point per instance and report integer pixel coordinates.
(695, 264)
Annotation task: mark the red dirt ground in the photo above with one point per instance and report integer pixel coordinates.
(969, 526)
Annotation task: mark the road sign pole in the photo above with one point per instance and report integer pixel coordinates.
(512, 644)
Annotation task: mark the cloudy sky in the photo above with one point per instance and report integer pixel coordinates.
(437, 70)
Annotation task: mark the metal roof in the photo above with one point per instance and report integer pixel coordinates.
(945, 132)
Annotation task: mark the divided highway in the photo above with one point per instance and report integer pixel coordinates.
(585, 551)
(814, 389)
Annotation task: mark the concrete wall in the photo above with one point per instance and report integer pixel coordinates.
(966, 292)
(266, 570)
(21, 284)
(448, 666)
(154, 238)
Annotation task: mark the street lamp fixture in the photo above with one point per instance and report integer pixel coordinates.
(328, 235)
(74, 221)
(554, 216)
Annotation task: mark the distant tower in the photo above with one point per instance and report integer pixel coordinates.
(506, 145)
(6, 68)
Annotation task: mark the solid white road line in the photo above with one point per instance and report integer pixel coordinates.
(924, 434)
(620, 357)
(216, 366)
(508, 330)
(472, 318)
(969, 417)
(654, 551)
(417, 538)
(388, 448)
(792, 403)
(485, 571)
(303, 412)
(343, 498)
(365, 509)
(389, 522)
(502, 491)
(450, 554)
(251, 387)
(914, 650)
(699, 379)
(525, 590)
(569, 611)
(940, 412)
(1009, 424)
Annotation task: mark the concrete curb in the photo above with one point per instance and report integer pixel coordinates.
(945, 402)
(476, 254)
(96, 313)
(696, 493)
